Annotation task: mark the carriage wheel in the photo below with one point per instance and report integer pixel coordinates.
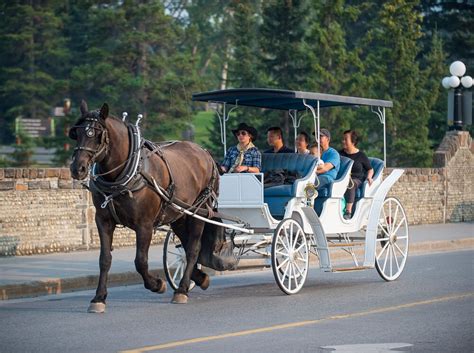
(391, 250)
(290, 256)
(174, 260)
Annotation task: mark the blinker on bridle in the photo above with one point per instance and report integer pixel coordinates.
(94, 126)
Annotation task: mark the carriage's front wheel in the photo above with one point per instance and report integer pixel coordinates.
(174, 260)
(290, 256)
(391, 249)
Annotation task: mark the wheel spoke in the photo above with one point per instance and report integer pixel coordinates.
(398, 227)
(174, 262)
(299, 269)
(390, 254)
(403, 237)
(283, 263)
(290, 276)
(390, 225)
(300, 247)
(281, 253)
(383, 230)
(396, 260)
(382, 251)
(382, 239)
(175, 254)
(400, 250)
(396, 215)
(386, 257)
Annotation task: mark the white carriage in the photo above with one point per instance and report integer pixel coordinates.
(289, 223)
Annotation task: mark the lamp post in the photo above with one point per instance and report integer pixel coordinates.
(458, 83)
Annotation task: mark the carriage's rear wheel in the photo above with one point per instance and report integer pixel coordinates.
(290, 256)
(391, 249)
(174, 260)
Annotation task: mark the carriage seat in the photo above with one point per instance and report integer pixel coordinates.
(337, 188)
(344, 169)
(304, 165)
(377, 165)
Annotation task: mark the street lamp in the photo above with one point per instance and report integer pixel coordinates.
(459, 103)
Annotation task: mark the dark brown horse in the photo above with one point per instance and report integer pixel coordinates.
(182, 171)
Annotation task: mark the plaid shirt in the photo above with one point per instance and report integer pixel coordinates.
(252, 158)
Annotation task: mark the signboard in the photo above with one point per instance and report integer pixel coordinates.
(35, 127)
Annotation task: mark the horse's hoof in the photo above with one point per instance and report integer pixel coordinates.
(162, 289)
(179, 298)
(96, 308)
(205, 283)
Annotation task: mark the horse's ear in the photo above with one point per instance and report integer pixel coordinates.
(84, 109)
(104, 111)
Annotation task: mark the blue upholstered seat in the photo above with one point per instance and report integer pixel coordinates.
(346, 165)
(325, 192)
(377, 165)
(278, 196)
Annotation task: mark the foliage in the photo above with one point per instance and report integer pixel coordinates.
(149, 56)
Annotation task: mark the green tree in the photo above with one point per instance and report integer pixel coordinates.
(33, 60)
(394, 73)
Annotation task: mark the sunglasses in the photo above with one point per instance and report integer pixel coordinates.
(243, 133)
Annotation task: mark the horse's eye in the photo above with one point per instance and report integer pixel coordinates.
(90, 132)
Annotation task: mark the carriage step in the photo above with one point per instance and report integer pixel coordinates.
(349, 269)
(345, 245)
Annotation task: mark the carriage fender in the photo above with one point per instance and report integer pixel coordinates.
(374, 214)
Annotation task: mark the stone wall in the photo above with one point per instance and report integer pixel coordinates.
(44, 210)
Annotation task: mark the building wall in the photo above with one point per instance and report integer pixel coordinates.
(44, 210)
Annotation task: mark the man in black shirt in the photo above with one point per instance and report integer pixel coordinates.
(275, 140)
(360, 168)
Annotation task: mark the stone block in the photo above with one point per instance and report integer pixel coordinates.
(21, 186)
(52, 173)
(18, 173)
(65, 184)
(44, 184)
(41, 173)
(65, 173)
(33, 173)
(34, 185)
(2, 174)
(7, 185)
(9, 173)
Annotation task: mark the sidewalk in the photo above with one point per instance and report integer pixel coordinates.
(29, 276)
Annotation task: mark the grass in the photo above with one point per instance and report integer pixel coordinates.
(202, 123)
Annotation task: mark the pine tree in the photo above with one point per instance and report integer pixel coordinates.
(33, 58)
(394, 74)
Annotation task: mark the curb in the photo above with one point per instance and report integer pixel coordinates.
(58, 286)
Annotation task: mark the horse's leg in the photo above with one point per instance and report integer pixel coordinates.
(144, 234)
(193, 246)
(106, 230)
(199, 277)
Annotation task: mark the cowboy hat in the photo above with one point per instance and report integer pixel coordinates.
(244, 127)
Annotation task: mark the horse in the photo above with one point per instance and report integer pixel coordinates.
(135, 183)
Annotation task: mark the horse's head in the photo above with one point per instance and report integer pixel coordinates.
(92, 139)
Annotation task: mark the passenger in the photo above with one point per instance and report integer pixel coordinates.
(360, 168)
(313, 150)
(331, 161)
(275, 140)
(302, 143)
(244, 157)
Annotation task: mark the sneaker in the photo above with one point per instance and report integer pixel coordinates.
(347, 215)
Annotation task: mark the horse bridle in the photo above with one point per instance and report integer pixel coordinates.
(93, 124)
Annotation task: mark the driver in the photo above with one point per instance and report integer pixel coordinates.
(245, 156)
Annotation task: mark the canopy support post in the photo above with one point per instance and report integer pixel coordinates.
(223, 116)
(380, 112)
(315, 121)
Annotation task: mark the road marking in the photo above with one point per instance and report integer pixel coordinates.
(295, 324)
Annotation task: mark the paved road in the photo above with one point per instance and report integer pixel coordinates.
(429, 308)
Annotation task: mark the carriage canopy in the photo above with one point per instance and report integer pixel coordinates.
(284, 99)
